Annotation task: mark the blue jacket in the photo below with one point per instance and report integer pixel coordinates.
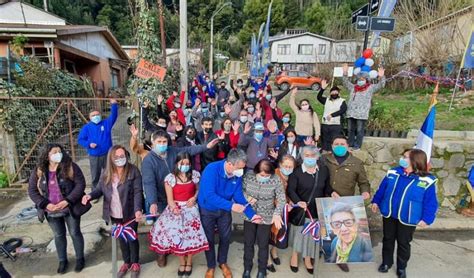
(100, 134)
(408, 198)
(155, 169)
(257, 86)
(211, 88)
(217, 191)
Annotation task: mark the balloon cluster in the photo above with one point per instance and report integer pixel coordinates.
(364, 64)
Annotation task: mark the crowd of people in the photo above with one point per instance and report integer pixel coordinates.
(220, 152)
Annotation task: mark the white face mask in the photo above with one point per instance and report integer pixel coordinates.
(57, 157)
(238, 173)
(120, 162)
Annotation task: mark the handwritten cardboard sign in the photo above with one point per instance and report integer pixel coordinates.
(147, 69)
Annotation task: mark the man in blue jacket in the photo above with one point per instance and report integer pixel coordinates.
(157, 165)
(96, 137)
(220, 193)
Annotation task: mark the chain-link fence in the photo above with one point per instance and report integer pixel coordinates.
(33, 122)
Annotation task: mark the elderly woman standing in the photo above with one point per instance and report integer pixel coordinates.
(308, 181)
(56, 187)
(263, 189)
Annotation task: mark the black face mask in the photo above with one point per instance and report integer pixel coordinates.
(223, 86)
(191, 136)
(335, 96)
(207, 130)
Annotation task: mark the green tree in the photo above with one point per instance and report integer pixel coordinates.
(316, 17)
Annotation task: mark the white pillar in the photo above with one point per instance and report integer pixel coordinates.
(183, 42)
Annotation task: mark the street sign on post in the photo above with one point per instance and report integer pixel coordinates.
(362, 23)
(374, 5)
(383, 24)
(362, 11)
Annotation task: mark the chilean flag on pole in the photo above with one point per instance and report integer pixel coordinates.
(424, 141)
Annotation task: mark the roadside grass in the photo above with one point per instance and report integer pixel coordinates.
(402, 110)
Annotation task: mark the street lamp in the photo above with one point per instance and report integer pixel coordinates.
(211, 51)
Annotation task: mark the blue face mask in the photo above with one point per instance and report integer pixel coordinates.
(222, 114)
(250, 109)
(252, 96)
(160, 148)
(310, 161)
(196, 90)
(184, 168)
(262, 179)
(361, 83)
(286, 120)
(339, 150)
(268, 97)
(204, 110)
(403, 163)
(96, 119)
(286, 172)
(258, 136)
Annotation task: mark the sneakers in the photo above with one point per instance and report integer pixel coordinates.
(135, 270)
(123, 270)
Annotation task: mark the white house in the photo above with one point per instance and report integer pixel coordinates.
(302, 50)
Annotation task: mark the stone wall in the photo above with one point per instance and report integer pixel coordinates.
(451, 161)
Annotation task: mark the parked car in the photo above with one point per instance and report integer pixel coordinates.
(297, 78)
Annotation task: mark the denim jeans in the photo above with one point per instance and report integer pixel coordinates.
(356, 129)
(58, 225)
(223, 220)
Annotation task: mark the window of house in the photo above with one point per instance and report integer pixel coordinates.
(114, 79)
(305, 49)
(341, 50)
(70, 66)
(283, 49)
(322, 49)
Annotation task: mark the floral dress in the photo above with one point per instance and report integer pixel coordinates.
(179, 234)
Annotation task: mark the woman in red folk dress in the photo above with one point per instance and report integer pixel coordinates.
(178, 230)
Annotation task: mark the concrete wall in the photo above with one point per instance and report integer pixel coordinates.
(451, 161)
(93, 43)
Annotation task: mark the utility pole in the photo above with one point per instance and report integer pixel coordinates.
(45, 5)
(183, 42)
(162, 30)
(366, 36)
(211, 50)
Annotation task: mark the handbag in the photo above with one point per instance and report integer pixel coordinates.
(297, 215)
(277, 233)
(78, 209)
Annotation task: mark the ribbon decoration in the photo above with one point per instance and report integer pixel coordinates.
(312, 227)
(125, 231)
(286, 211)
(447, 81)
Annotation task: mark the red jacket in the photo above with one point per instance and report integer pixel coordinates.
(268, 111)
(233, 141)
(179, 111)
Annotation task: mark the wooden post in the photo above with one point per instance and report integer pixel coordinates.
(71, 139)
(162, 31)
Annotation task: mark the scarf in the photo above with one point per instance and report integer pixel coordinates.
(343, 256)
(358, 88)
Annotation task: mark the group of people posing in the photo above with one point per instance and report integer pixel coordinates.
(219, 153)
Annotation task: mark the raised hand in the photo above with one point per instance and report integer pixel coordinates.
(324, 84)
(309, 141)
(227, 109)
(159, 99)
(236, 126)
(197, 102)
(133, 130)
(175, 93)
(273, 154)
(221, 136)
(247, 128)
(294, 90)
(381, 71)
(345, 69)
(258, 113)
(211, 144)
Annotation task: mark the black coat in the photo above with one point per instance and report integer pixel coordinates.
(209, 155)
(72, 188)
(130, 192)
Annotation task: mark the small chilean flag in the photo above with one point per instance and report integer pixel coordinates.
(424, 141)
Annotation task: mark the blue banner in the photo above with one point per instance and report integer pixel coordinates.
(265, 45)
(468, 58)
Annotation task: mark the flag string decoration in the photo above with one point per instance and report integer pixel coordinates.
(431, 79)
(311, 227)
